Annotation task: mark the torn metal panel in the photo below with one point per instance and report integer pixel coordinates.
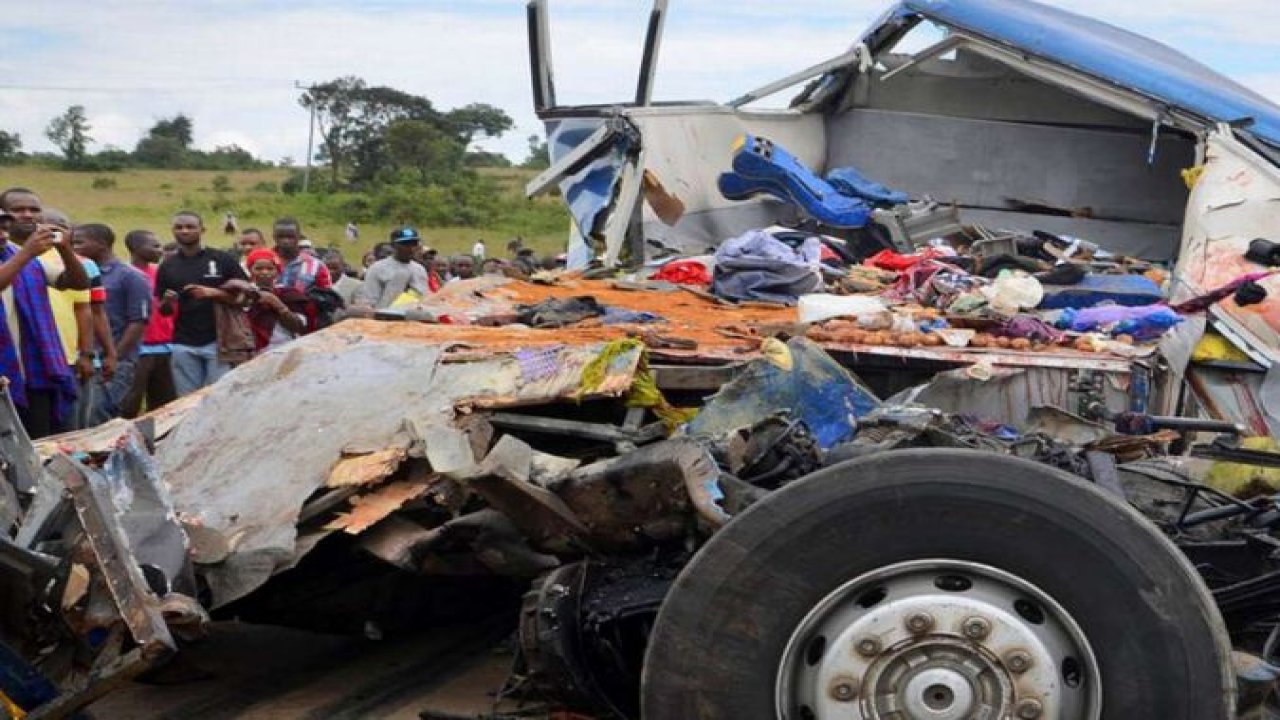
(503, 481)
(646, 495)
(853, 57)
(1065, 427)
(817, 390)
(145, 513)
(370, 508)
(366, 469)
(21, 464)
(576, 428)
(1060, 359)
(1231, 395)
(102, 439)
(1006, 395)
(139, 607)
(1236, 200)
(591, 163)
(689, 146)
(489, 539)
(99, 439)
(622, 224)
(447, 448)
(10, 510)
(243, 463)
(27, 581)
(246, 459)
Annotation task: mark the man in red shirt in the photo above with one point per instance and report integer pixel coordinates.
(153, 377)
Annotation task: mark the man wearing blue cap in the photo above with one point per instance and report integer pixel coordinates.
(390, 277)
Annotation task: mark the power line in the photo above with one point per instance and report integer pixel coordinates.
(187, 87)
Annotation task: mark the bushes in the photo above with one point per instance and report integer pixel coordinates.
(105, 183)
(466, 200)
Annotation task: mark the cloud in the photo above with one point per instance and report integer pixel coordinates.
(232, 65)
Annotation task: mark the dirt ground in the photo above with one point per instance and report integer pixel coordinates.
(257, 672)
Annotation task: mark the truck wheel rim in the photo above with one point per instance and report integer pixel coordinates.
(938, 640)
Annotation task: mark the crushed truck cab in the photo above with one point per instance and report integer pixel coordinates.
(811, 427)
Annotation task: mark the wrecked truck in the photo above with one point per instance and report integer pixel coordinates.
(1007, 115)
(724, 514)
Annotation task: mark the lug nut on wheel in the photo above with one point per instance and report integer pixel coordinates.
(976, 628)
(868, 647)
(1018, 661)
(919, 623)
(844, 689)
(1030, 709)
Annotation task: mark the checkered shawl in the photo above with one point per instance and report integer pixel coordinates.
(42, 354)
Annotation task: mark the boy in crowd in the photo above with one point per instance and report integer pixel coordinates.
(153, 375)
(127, 309)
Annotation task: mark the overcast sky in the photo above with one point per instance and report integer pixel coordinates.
(231, 64)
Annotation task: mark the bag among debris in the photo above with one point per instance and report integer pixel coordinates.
(758, 266)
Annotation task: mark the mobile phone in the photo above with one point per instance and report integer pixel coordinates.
(56, 237)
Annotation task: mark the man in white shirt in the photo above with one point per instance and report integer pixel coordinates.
(477, 250)
(389, 278)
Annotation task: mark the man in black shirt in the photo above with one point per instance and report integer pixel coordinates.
(195, 337)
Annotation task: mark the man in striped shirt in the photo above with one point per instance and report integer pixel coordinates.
(302, 271)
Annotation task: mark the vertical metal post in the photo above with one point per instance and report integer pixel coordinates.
(311, 137)
(649, 61)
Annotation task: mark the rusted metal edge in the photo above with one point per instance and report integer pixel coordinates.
(969, 357)
(139, 607)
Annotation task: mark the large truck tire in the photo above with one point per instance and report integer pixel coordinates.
(939, 584)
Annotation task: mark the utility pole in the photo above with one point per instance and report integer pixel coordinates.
(311, 137)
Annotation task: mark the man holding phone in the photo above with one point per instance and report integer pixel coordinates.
(31, 352)
(194, 360)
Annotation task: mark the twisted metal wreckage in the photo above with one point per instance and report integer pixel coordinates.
(844, 528)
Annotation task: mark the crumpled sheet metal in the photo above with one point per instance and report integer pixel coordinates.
(475, 543)
(106, 437)
(816, 389)
(366, 469)
(503, 480)
(646, 494)
(1066, 427)
(1008, 394)
(245, 460)
(654, 493)
(145, 511)
(368, 509)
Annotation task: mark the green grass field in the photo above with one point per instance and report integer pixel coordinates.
(147, 199)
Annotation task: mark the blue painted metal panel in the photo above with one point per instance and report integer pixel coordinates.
(817, 390)
(1104, 51)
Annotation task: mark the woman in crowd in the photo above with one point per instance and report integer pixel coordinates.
(277, 314)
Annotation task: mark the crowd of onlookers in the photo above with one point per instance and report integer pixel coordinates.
(93, 331)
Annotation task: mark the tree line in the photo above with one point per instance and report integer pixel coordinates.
(373, 135)
(370, 136)
(167, 145)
